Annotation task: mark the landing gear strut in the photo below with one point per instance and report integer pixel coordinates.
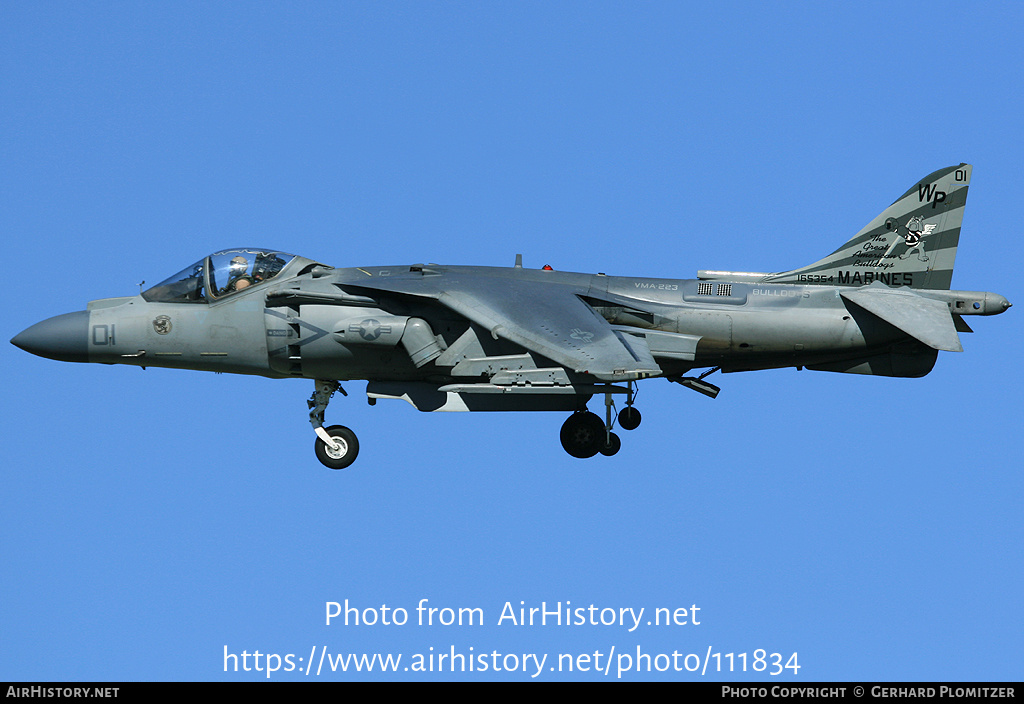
(336, 447)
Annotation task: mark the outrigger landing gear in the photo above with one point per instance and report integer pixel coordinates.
(629, 417)
(336, 447)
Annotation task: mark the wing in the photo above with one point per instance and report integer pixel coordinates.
(544, 317)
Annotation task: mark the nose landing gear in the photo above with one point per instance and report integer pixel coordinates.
(343, 448)
(336, 447)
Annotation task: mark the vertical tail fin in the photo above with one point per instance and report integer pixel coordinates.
(911, 243)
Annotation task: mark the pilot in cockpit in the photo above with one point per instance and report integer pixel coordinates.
(237, 276)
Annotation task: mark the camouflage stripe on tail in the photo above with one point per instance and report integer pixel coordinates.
(912, 243)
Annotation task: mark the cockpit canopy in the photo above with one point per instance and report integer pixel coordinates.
(220, 274)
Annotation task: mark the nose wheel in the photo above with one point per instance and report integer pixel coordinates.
(336, 447)
(342, 450)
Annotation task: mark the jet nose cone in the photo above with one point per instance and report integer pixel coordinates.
(62, 337)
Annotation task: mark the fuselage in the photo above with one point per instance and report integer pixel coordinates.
(463, 338)
(314, 322)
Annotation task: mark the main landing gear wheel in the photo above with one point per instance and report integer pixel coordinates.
(583, 434)
(343, 453)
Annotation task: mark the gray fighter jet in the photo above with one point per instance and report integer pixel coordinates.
(470, 338)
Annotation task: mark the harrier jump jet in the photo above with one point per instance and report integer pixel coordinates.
(470, 338)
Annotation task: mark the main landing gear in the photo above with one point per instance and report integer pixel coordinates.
(336, 447)
(584, 434)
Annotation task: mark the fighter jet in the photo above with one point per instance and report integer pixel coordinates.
(473, 338)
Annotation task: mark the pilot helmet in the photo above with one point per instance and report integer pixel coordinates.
(238, 266)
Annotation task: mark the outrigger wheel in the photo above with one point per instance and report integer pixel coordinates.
(629, 418)
(613, 446)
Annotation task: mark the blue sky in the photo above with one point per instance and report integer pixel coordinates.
(152, 519)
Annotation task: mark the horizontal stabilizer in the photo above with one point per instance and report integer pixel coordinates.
(924, 319)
